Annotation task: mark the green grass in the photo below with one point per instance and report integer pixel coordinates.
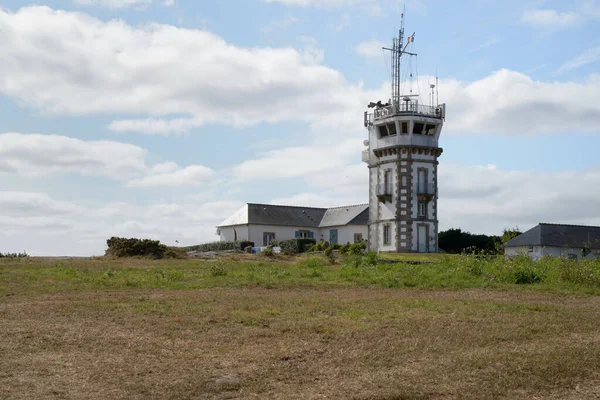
(294, 328)
(446, 272)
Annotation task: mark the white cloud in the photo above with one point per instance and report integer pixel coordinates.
(548, 19)
(71, 63)
(487, 199)
(587, 57)
(298, 161)
(188, 176)
(370, 48)
(320, 3)
(178, 79)
(36, 155)
(44, 226)
(169, 3)
(279, 25)
(343, 23)
(492, 41)
(117, 3)
(511, 103)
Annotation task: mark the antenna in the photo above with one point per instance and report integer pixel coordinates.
(398, 49)
(437, 93)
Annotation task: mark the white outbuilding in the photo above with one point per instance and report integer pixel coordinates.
(261, 223)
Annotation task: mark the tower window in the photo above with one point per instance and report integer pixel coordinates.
(392, 129)
(383, 132)
(387, 181)
(430, 129)
(386, 233)
(418, 127)
(404, 128)
(422, 209)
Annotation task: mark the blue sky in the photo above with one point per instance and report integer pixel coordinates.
(160, 118)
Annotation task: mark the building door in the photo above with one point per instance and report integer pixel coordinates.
(267, 238)
(333, 236)
(422, 238)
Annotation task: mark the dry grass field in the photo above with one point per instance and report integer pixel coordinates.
(280, 329)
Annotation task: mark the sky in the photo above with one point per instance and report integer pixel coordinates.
(160, 118)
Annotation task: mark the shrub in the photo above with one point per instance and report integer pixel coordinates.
(358, 248)
(345, 248)
(293, 246)
(268, 252)
(218, 270)
(14, 255)
(122, 247)
(220, 246)
(176, 252)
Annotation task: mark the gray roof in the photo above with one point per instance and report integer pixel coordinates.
(556, 235)
(339, 216)
(309, 217)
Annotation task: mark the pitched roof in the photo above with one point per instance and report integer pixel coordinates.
(310, 217)
(345, 215)
(557, 235)
(270, 214)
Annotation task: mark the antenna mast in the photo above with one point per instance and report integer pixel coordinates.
(397, 51)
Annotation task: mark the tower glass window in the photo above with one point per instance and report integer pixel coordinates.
(387, 181)
(386, 233)
(422, 209)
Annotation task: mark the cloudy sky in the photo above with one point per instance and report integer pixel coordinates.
(159, 118)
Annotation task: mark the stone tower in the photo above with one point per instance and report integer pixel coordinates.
(403, 167)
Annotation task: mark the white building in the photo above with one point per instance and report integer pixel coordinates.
(261, 223)
(403, 168)
(573, 241)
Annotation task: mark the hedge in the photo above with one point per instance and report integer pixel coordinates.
(122, 247)
(220, 246)
(294, 246)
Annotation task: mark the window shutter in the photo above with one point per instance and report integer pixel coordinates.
(311, 235)
(297, 234)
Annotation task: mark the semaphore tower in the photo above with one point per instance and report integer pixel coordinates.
(402, 159)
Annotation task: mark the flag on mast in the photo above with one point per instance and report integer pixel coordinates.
(411, 38)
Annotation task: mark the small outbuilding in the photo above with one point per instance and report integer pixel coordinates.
(572, 241)
(261, 223)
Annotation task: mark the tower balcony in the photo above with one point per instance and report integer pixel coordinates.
(384, 192)
(409, 108)
(425, 191)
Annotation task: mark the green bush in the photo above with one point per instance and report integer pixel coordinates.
(268, 252)
(358, 248)
(14, 255)
(321, 246)
(122, 247)
(293, 246)
(345, 248)
(220, 246)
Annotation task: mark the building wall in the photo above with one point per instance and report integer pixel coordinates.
(345, 233)
(535, 254)
(281, 232)
(228, 233)
(538, 252)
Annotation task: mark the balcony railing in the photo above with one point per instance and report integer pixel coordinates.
(427, 189)
(408, 108)
(384, 190)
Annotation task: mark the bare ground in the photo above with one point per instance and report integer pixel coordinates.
(299, 344)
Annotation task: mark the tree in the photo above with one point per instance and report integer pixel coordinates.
(509, 234)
